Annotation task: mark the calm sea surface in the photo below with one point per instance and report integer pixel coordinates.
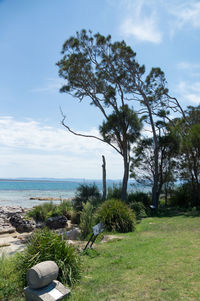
(19, 192)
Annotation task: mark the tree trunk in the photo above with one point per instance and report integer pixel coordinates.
(155, 193)
(104, 177)
(125, 178)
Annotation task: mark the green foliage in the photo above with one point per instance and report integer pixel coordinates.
(47, 245)
(86, 193)
(43, 212)
(139, 196)
(139, 209)
(86, 219)
(125, 123)
(92, 253)
(75, 217)
(10, 282)
(184, 196)
(187, 133)
(114, 192)
(65, 208)
(116, 216)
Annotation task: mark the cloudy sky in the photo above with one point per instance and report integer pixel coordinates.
(32, 141)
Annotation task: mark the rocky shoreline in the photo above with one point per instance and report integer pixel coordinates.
(15, 229)
(6, 214)
(12, 241)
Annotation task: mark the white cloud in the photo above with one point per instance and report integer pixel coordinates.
(181, 14)
(140, 23)
(188, 13)
(30, 149)
(190, 92)
(144, 31)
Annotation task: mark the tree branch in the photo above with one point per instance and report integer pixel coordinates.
(86, 136)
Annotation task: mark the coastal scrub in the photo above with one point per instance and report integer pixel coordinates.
(47, 245)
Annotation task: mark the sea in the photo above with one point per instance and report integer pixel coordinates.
(21, 192)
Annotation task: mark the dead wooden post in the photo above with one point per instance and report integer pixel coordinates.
(104, 177)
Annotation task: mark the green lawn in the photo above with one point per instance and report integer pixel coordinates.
(159, 261)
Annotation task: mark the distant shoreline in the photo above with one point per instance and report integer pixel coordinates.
(60, 180)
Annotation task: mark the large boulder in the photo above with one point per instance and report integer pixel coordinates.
(56, 222)
(21, 225)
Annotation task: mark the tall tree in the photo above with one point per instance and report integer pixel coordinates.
(143, 161)
(108, 75)
(93, 69)
(187, 132)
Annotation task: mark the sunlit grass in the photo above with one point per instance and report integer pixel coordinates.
(159, 261)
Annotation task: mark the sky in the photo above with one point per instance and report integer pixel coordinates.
(33, 143)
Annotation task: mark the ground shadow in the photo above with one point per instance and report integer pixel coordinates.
(174, 211)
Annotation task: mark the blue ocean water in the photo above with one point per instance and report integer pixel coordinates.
(20, 192)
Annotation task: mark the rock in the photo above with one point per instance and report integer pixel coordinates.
(20, 224)
(6, 229)
(56, 222)
(73, 234)
(7, 211)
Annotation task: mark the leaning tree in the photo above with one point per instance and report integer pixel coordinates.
(93, 69)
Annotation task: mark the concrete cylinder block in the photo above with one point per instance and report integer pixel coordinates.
(42, 274)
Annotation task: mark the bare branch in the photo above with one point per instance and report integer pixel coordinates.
(177, 104)
(86, 136)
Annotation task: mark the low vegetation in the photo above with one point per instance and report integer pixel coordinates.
(116, 216)
(158, 261)
(42, 212)
(47, 245)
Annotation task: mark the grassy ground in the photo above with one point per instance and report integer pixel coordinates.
(160, 261)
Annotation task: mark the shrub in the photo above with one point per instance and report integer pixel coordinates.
(139, 197)
(139, 209)
(86, 219)
(86, 193)
(116, 216)
(65, 208)
(43, 212)
(185, 196)
(75, 217)
(47, 245)
(114, 192)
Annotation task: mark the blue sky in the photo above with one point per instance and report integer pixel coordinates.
(32, 141)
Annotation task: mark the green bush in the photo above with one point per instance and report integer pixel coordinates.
(47, 245)
(43, 212)
(139, 196)
(139, 209)
(86, 219)
(86, 193)
(114, 192)
(65, 208)
(75, 217)
(116, 216)
(185, 196)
